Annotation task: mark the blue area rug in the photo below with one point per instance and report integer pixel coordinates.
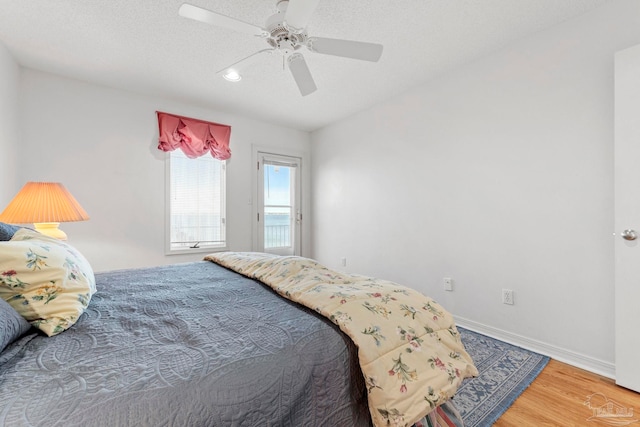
(505, 372)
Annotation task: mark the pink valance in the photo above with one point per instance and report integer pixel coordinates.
(194, 137)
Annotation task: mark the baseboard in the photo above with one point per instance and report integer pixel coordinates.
(569, 357)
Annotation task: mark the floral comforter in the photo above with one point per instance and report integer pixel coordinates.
(409, 349)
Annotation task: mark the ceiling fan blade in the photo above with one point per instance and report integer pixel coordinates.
(213, 18)
(301, 74)
(298, 14)
(238, 65)
(346, 48)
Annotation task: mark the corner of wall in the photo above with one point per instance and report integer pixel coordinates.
(9, 83)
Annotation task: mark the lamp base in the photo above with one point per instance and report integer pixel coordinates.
(50, 229)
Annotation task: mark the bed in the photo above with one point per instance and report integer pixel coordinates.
(192, 344)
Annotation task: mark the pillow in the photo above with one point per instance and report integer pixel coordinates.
(12, 325)
(45, 279)
(7, 231)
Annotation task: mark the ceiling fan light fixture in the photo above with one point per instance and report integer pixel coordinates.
(232, 76)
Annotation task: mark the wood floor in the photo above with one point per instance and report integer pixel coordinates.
(557, 398)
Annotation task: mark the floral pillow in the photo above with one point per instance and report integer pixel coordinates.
(45, 279)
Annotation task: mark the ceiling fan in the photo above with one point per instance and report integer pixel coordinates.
(285, 32)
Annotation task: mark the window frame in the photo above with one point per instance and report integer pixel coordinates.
(201, 248)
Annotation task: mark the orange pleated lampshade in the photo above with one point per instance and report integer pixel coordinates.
(41, 202)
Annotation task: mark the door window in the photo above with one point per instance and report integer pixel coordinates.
(279, 215)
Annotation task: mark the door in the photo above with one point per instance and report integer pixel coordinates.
(627, 217)
(279, 215)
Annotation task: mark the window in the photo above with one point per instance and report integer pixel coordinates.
(196, 219)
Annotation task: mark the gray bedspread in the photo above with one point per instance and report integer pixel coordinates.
(185, 345)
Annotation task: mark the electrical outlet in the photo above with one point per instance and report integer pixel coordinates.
(507, 296)
(448, 284)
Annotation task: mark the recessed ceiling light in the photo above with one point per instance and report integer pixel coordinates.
(232, 76)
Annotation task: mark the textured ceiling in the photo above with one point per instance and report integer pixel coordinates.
(144, 46)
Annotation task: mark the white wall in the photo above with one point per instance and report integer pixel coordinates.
(9, 135)
(499, 175)
(101, 144)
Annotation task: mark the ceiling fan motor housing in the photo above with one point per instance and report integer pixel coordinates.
(280, 36)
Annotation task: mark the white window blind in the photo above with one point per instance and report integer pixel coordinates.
(197, 213)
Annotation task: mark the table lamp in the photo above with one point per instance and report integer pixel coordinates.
(46, 205)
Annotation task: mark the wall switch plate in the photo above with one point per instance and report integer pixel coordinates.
(343, 262)
(507, 296)
(448, 284)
